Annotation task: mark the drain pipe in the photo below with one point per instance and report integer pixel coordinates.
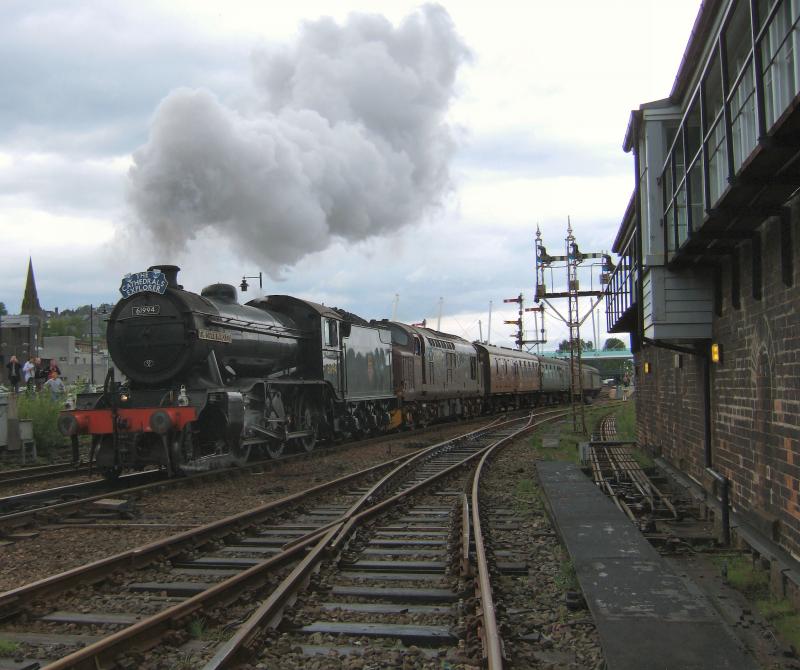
(722, 481)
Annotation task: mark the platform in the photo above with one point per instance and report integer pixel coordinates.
(645, 613)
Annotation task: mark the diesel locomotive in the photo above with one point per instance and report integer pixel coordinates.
(210, 381)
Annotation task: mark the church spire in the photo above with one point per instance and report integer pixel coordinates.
(30, 300)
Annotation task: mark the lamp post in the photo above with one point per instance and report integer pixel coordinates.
(244, 285)
(91, 343)
(92, 312)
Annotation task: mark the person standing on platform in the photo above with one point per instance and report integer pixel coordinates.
(14, 373)
(29, 372)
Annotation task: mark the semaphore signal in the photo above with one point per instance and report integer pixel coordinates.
(573, 258)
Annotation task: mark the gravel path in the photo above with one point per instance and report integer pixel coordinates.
(538, 629)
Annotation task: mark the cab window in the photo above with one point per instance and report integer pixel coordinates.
(331, 333)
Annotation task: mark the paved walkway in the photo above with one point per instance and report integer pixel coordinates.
(646, 615)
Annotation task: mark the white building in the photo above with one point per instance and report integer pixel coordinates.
(74, 359)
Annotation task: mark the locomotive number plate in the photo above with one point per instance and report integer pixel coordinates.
(214, 335)
(145, 310)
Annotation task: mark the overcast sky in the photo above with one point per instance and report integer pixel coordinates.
(380, 148)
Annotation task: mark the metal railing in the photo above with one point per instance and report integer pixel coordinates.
(620, 293)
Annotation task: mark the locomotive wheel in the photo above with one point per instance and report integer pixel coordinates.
(307, 419)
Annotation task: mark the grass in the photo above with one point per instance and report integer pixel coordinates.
(525, 487)
(196, 628)
(8, 648)
(199, 629)
(568, 442)
(185, 661)
(567, 579)
(43, 411)
(626, 420)
(753, 582)
(744, 576)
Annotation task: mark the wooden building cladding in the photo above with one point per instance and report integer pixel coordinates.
(712, 161)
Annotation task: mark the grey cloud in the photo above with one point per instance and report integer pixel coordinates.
(347, 140)
(96, 71)
(526, 155)
(60, 184)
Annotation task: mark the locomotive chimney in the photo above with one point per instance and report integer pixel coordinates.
(170, 272)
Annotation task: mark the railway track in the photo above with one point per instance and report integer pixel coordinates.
(85, 499)
(42, 472)
(271, 553)
(619, 474)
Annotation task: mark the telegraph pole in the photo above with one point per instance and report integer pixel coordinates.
(571, 262)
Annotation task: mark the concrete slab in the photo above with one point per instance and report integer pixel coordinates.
(597, 537)
(411, 533)
(395, 576)
(222, 573)
(170, 588)
(404, 595)
(646, 615)
(398, 566)
(387, 608)
(671, 645)
(217, 562)
(623, 589)
(407, 543)
(249, 549)
(348, 650)
(414, 527)
(550, 441)
(426, 552)
(409, 634)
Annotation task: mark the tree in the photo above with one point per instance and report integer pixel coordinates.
(3, 310)
(74, 325)
(563, 346)
(614, 344)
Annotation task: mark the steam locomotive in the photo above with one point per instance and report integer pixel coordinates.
(211, 381)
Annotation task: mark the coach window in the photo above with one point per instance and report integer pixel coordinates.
(417, 346)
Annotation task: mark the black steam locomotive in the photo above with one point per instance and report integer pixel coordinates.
(211, 381)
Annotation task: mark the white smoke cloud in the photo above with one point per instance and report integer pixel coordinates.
(345, 137)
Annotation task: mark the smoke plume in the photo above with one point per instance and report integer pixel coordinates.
(345, 138)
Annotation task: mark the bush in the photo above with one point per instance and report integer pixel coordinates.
(43, 411)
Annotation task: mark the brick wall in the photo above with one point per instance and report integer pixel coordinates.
(669, 407)
(755, 390)
(756, 401)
